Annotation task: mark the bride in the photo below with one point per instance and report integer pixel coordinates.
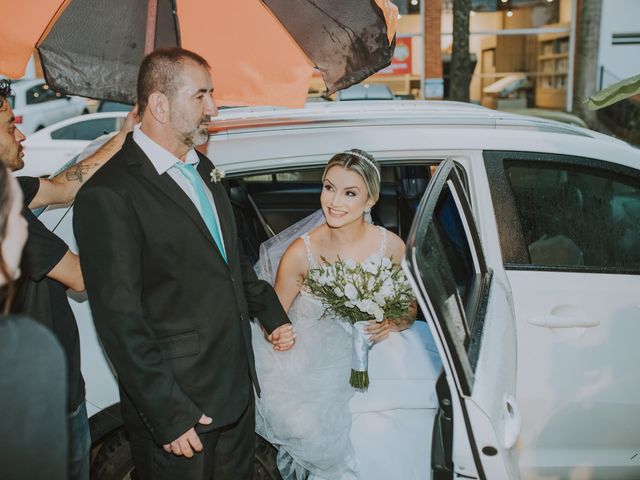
(322, 427)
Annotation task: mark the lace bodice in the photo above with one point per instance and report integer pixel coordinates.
(382, 248)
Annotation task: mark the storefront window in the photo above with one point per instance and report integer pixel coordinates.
(520, 53)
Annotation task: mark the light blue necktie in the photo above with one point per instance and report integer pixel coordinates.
(189, 172)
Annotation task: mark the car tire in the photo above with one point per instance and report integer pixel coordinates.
(113, 460)
(84, 112)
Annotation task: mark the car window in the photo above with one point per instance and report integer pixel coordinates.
(451, 265)
(106, 106)
(40, 94)
(85, 130)
(455, 246)
(311, 175)
(577, 216)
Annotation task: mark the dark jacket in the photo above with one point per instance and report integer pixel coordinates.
(172, 315)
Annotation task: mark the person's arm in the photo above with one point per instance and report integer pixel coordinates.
(266, 304)
(110, 244)
(62, 188)
(291, 273)
(379, 331)
(67, 271)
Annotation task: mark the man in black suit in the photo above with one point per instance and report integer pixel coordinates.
(170, 294)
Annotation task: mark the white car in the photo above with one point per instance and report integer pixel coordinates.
(35, 105)
(523, 241)
(47, 150)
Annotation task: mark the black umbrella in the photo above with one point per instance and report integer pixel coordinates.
(93, 47)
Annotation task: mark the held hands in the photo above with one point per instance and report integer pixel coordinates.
(189, 441)
(282, 338)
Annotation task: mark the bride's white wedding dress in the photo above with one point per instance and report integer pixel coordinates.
(326, 430)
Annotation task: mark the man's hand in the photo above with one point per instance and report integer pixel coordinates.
(282, 338)
(129, 121)
(62, 189)
(188, 441)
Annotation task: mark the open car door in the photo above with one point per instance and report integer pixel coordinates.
(470, 315)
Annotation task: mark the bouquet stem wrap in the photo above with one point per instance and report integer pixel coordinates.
(361, 344)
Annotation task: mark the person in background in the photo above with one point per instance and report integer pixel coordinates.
(49, 268)
(33, 388)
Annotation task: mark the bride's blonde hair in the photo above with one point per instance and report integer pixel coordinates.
(363, 164)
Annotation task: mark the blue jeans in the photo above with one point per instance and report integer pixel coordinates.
(79, 444)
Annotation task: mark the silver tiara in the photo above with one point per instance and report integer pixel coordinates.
(359, 155)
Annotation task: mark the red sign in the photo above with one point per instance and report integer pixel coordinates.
(401, 62)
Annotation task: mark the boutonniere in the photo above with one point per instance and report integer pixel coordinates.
(217, 174)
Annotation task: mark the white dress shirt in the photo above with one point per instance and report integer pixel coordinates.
(164, 161)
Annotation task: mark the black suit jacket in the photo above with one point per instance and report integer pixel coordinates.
(172, 315)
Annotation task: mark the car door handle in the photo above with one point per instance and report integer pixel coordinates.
(513, 422)
(575, 319)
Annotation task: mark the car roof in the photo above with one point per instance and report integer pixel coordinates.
(399, 112)
(44, 133)
(320, 129)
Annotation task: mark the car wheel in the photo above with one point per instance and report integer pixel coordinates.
(84, 112)
(113, 460)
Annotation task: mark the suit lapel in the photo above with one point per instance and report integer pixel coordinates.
(220, 200)
(170, 189)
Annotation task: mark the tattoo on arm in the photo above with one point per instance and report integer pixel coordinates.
(77, 174)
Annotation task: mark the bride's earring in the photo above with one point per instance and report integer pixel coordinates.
(367, 211)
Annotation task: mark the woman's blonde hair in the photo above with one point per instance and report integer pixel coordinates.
(363, 164)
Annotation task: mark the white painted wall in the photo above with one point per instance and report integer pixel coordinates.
(619, 61)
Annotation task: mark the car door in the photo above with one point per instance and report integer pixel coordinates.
(469, 312)
(570, 234)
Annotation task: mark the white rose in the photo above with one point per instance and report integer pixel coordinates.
(370, 267)
(364, 305)
(380, 298)
(378, 314)
(370, 283)
(386, 263)
(350, 291)
(350, 264)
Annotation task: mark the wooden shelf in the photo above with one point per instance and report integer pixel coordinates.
(553, 59)
(552, 56)
(552, 74)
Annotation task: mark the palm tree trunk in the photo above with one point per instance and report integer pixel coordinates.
(460, 71)
(586, 66)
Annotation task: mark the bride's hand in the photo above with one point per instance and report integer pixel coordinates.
(282, 338)
(379, 331)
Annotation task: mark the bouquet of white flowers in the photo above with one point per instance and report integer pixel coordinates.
(357, 292)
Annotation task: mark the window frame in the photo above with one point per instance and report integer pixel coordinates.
(82, 123)
(473, 313)
(513, 246)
